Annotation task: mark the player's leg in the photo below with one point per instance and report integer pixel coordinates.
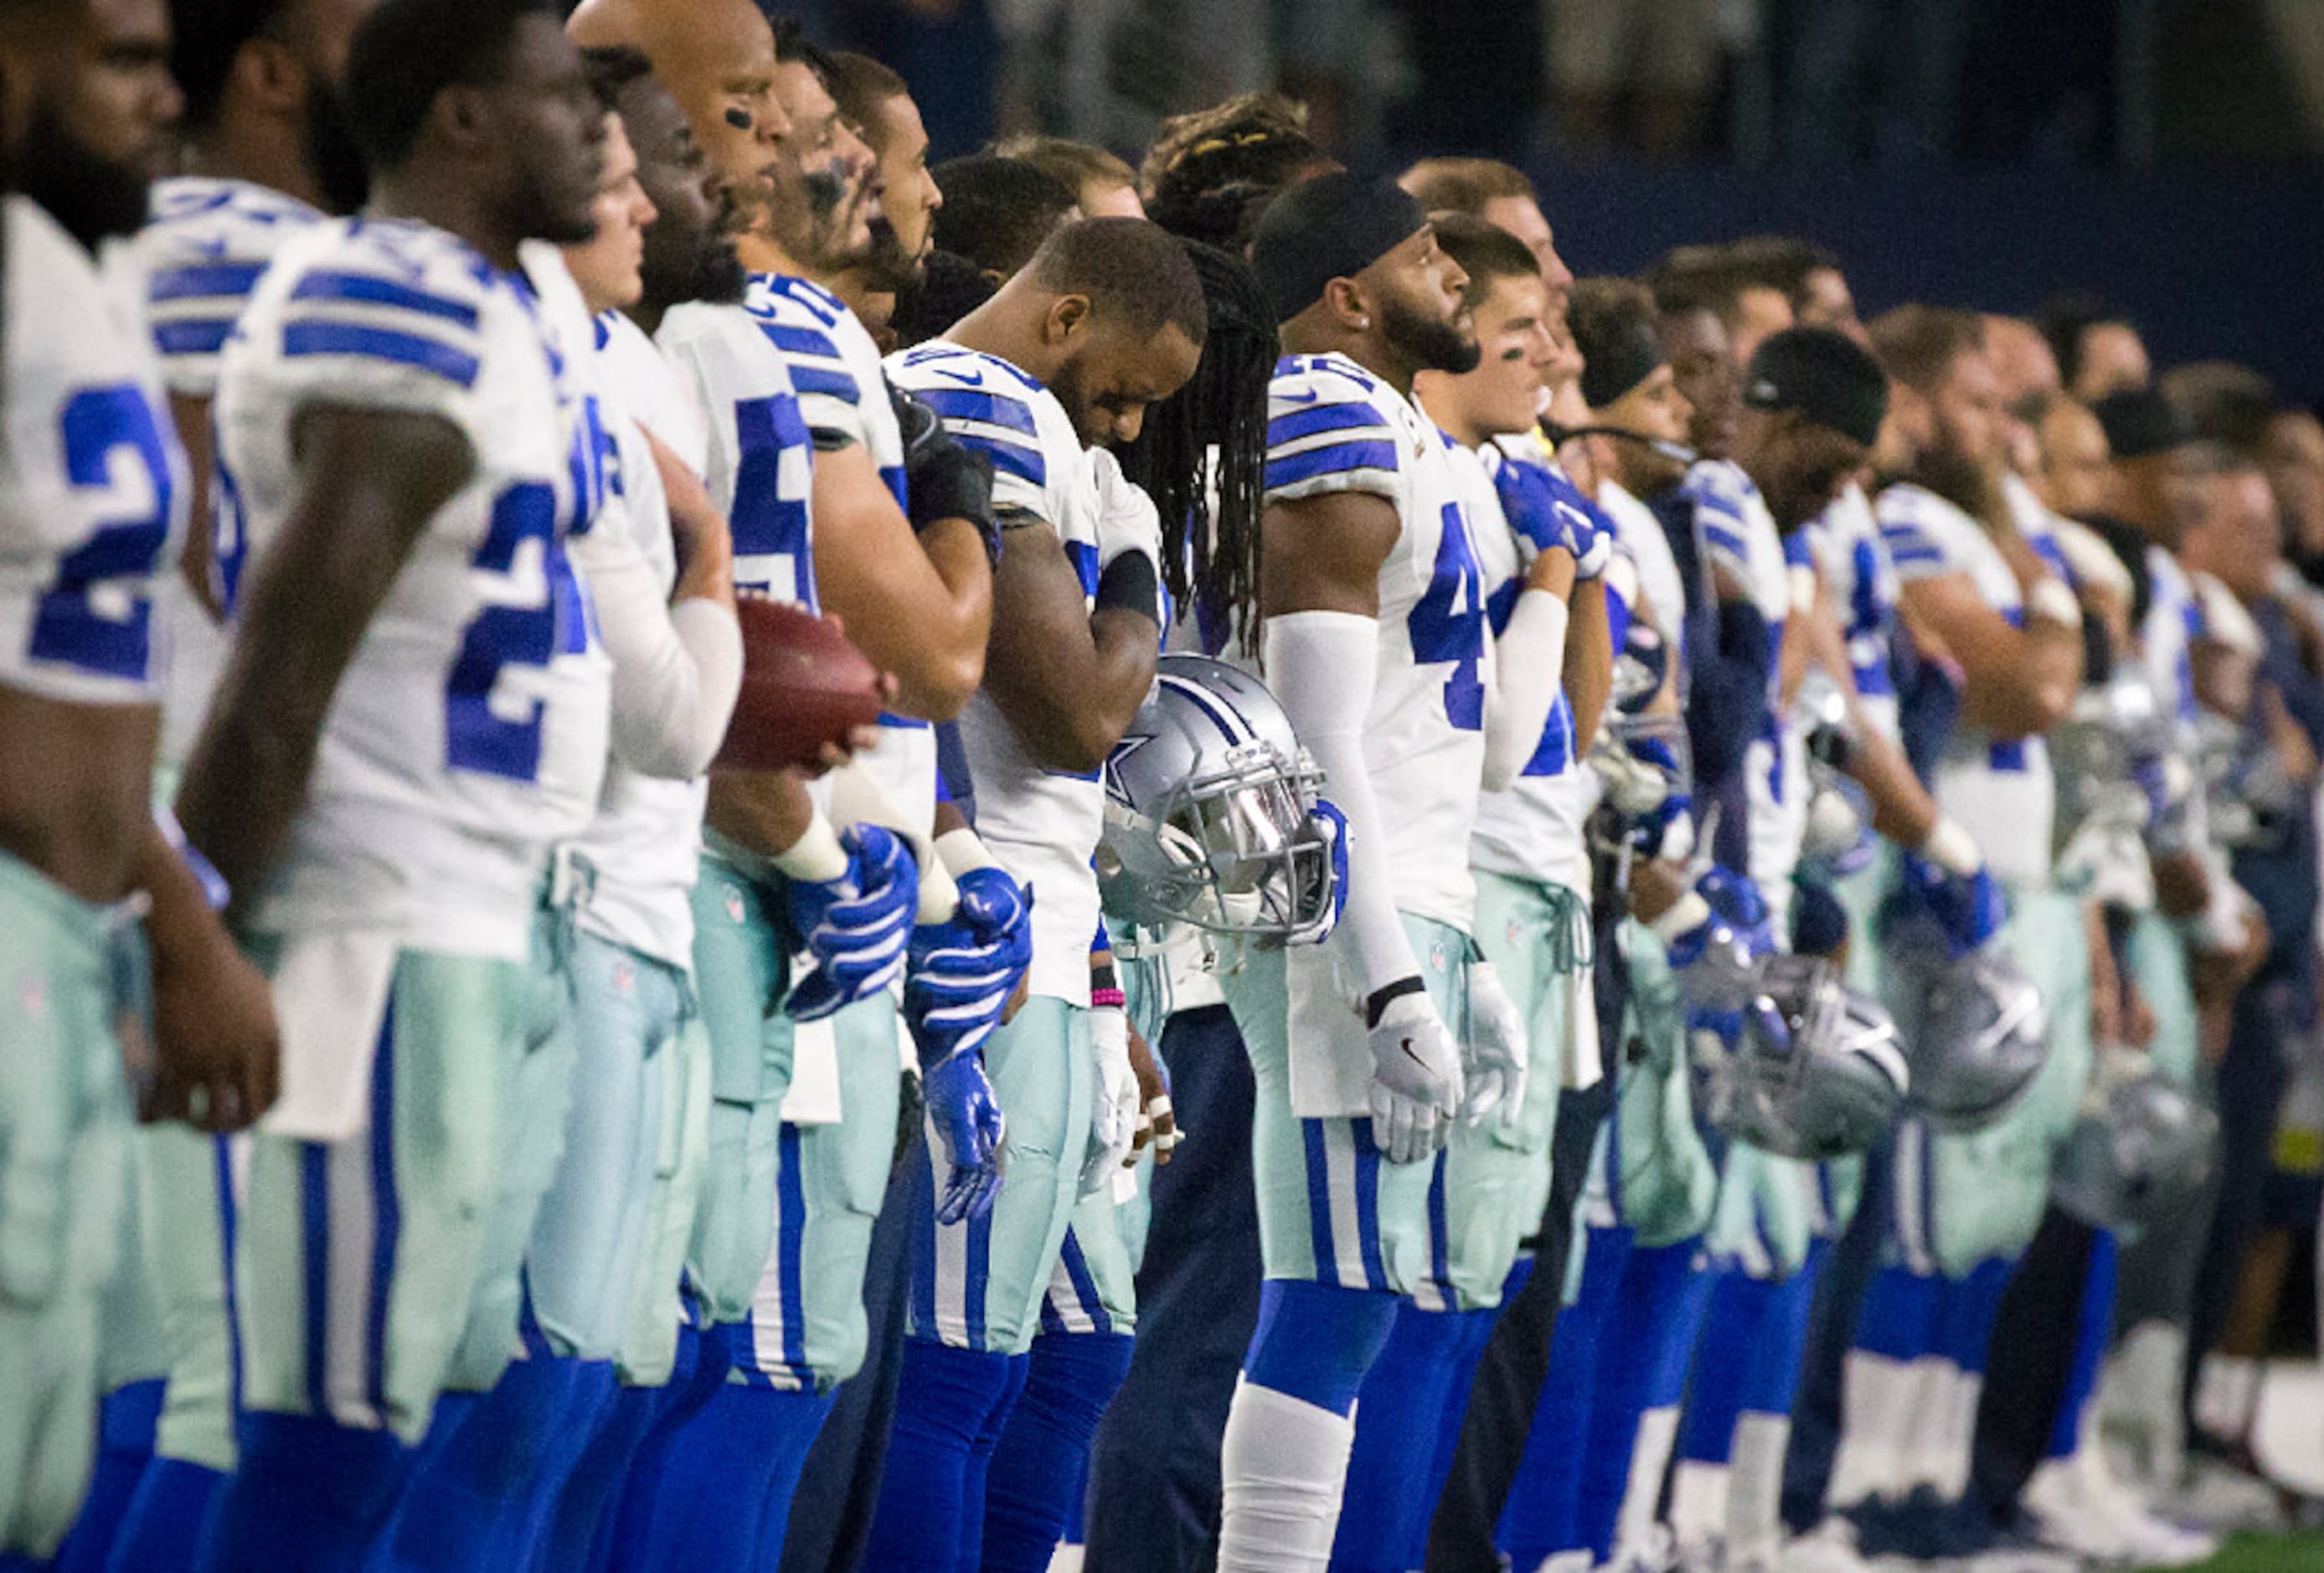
(470, 1502)
(741, 972)
(186, 1197)
(976, 1290)
(68, 971)
(1154, 1497)
(562, 1536)
(1040, 1467)
(360, 1258)
(1342, 1231)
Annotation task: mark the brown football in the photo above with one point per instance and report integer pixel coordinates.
(804, 684)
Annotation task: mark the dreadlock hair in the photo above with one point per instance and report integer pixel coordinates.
(1209, 532)
(1210, 174)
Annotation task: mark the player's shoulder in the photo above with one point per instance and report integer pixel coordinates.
(1914, 518)
(193, 219)
(816, 333)
(1311, 394)
(1333, 426)
(995, 406)
(382, 294)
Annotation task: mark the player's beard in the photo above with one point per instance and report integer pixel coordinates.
(1430, 343)
(700, 267)
(332, 156)
(889, 267)
(93, 199)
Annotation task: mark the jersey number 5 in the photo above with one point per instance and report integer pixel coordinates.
(1448, 625)
(98, 613)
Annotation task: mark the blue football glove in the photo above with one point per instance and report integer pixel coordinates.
(1331, 827)
(960, 973)
(854, 927)
(1714, 962)
(1651, 835)
(1544, 516)
(967, 1120)
(1970, 909)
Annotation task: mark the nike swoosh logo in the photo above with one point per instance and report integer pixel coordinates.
(1405, 1044)
(974, 379)
(1309, 397)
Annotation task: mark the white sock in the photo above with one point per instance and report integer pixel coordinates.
(1755, 1487)
(1948, 1468)
(1698, 1510)
(1282, 1463)
(1634, 1527)
(2226, 1390)
(1877, 1397)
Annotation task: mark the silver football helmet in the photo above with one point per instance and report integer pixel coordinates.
(1207, 800)
(2142, 1145)
(1983, 1035)
(1816, 1073)
(1837, 836)
(2121, 763)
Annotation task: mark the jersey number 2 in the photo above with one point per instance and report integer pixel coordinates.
(98, 613)
(1448, 625)
(521, 628)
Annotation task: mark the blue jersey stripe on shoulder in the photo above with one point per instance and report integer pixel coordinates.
(793, 341)
(203, 280)
(1009, 458)
(380, 344)
(1300, 423)
(969, 405)
(369, 290)
(1335, 460)
(825, 309)
(202, 336)
(1725, 540)
(824, 380)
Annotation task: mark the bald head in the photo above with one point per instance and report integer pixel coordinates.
(716, 57)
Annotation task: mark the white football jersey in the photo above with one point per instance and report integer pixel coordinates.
(1041, 825)
(1334, 427)
(467, 727)
(842, 398)
(2001, 792)
(92, 478)
(761, 472)
(1862, 581)
(1640, 534)
(1738, 533)
(204, 249)
(643, 847)
(1532, 830)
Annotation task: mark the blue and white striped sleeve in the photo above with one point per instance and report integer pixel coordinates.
(193, 306)
(370, 330)
(1325, 435)
(799, 324)
(1921, 532)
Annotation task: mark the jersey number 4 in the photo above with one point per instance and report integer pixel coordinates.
(1448, 625)
(97, 614)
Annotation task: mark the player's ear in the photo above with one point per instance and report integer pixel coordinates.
(1068, 314)
(460, 114)
(1344, 300)
(271, 74)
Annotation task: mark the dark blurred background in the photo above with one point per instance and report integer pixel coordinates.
(2165, 155)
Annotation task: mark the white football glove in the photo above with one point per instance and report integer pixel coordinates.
(1415, 1078)
(1115, 1101)
(1494, 1058)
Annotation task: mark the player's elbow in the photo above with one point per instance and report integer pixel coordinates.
(939, 685)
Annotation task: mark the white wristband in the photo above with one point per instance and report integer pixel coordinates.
(2051, 599)
(816, 857)
(962, 849)
(1689, 911)
(1951, 848)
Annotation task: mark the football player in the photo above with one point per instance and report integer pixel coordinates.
(1375, 644)
(92, 496)
(1105, 320)
(1538, 551)
(1977, 584)
(272, 154)
(415, 707)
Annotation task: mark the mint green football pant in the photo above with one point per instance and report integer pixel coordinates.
(374, 1272)
(1496, 1174)
(1649, 1171)
(72, 972)
(1332, 1208)
(1963, 1199)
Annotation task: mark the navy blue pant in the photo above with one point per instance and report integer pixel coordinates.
(1154, 1491)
